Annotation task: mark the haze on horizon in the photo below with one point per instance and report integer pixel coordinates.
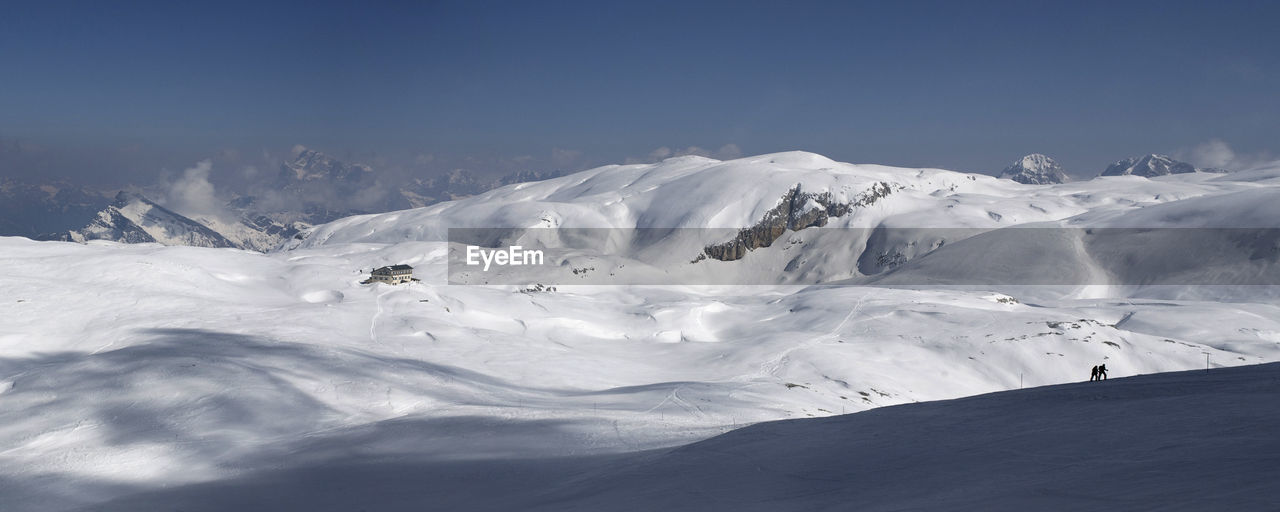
(135, 92)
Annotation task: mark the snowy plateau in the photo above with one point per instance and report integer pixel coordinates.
(151, 377)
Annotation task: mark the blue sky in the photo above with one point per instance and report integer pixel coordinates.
(129, 88)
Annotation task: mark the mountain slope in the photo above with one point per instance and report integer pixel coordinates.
(132, 218)
(1184, 441)
(185, 366)
(1181, 441)
(783, 218)
(1227, 239)
(188, 365)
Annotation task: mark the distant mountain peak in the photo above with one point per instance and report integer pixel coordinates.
(132, 218)
(1149, 166)
(313, 165)
(1035, 169)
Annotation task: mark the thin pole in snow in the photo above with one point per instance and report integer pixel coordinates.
(1019, 380)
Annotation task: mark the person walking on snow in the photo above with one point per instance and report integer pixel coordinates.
(1093, 374)
(1102, 372)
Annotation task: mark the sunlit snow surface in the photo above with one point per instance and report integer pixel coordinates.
(127, 368)
(1181, 441)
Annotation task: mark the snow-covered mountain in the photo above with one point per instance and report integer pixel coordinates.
(1150, 166)
(1035, 169)
(324, 188)
(132, 218)
(195, 368)
(312, 188)
(254, 231)
(769, 208)
(312, 165)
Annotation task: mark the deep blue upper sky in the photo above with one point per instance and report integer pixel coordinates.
(961, 85)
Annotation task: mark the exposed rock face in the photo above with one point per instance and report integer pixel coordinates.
(796, 210)
(1035, 169)
(1148, 167)
(272, 228)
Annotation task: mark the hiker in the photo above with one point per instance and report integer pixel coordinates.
(1093, 374)
(1102, 372)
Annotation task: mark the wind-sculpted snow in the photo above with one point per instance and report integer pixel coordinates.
(128, 369)
(183, 365)
(1180, 441)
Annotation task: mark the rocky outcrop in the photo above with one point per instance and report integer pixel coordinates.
(796, 210)
(271, 228)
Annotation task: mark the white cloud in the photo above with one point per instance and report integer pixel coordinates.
(726, 152)
(563, 157)
(1217, 153)
(370, 197)
(659, 154)
(693, 150)
(729, 152)
(193, 194)
(1214, 153)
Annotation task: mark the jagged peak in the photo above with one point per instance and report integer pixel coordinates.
(1148, 166)
(310, 164)
(1035, 169)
